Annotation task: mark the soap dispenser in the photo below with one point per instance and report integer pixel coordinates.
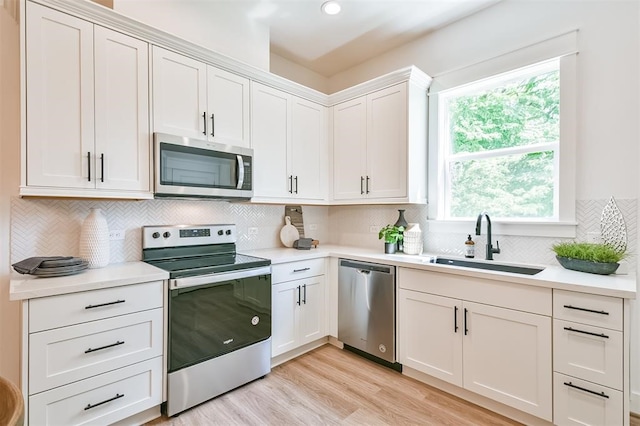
(469, 247)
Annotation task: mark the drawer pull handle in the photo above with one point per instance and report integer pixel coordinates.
(90, 406)
(104, 304)
(301, 270)
(118, 343)
(586, 332)
(586, 310)
(602, 394)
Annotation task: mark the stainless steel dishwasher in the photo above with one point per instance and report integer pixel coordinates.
(366, 310)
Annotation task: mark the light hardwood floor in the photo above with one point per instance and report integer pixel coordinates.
(329, 386)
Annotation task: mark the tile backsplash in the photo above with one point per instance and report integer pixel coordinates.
(46, 227)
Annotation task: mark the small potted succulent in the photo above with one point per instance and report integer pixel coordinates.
(588, 257)
(391, 234)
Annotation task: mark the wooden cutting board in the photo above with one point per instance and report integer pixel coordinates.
(289, 233)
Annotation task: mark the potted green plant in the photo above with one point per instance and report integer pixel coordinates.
(595, 258)
(391, 235)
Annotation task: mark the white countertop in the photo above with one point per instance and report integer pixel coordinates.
(114, 275)
(552, 276)
(28, 286)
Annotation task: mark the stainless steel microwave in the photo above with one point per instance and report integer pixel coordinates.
(194, 168)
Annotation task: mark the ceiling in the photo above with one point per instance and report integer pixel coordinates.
(301, 33)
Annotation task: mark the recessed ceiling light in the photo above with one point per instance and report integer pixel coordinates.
(331, 7)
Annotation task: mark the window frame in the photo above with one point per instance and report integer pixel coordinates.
(564, 48)
(444, 136)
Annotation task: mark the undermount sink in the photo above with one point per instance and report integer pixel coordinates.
(514, 269)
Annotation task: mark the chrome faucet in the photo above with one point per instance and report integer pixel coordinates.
(490, 249)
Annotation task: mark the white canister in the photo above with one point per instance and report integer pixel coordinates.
(413, 239)
(94, 239)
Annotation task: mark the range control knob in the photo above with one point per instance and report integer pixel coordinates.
(228, 232)
(220, 232)
(156, 235)
(166, 234)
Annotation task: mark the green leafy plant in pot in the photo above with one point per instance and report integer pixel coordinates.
(391, 234)
(588, 257)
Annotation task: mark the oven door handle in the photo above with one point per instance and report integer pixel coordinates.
(218, 278)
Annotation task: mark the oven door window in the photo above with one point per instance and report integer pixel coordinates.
(196, 167)
(210, 320)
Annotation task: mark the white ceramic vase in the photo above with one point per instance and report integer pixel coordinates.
(413, 239)
(94, 239)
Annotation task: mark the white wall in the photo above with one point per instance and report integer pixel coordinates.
(607, 74)
(226, 27)
(294, 72)
(9, 181)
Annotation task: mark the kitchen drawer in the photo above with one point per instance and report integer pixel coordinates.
(587, 352)
(97, 400)
(592, 309)
(591, 405)
(295, 270)
(59, 356)
(67, 309)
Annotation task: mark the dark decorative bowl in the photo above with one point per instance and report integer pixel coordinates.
(588, 266)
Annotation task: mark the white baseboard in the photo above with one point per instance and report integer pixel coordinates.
(294, 353)
(635, 403)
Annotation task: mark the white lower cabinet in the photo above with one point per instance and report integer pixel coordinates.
(507, 357)
(298, 306)
(578, 402)
(103, 399)
(500, 353)
(94, 357)
(588, 359)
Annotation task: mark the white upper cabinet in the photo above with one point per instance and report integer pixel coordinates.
(271, 134)
(228, 108)
(179, 94)
(60, 98)
(196, 100)
(122, 111)
(289, 139)
(387, 143)
(379, 147)
(349, 149)
(87, 112)
(308, 150)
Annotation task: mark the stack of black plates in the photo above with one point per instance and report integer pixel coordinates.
(61, 267)
(54, 266)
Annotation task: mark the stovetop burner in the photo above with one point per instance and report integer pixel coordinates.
(186, 250)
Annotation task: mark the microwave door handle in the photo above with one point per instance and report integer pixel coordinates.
(240, 172)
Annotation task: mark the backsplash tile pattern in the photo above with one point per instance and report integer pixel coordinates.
(350, 226)
(44, 227)
(47, 227)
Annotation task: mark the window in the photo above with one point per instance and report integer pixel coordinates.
(499, 141)
(514, 159)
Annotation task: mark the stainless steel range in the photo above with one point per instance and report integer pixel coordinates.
(219, 326)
